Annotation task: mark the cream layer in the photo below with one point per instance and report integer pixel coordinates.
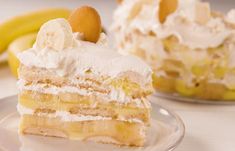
(68, 117)
(115, 95)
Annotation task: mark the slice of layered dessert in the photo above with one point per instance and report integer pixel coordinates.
(189, 46)
(72, 86)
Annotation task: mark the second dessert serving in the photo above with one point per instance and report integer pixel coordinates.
(190, 47)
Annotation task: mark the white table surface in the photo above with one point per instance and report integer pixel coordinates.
(208, 127)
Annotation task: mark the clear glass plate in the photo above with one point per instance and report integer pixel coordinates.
(166, 132)
(177, 97)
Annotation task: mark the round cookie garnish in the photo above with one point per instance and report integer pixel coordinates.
(166, 7)
(86, 20)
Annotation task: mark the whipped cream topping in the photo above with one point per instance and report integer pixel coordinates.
(68, 117)
(182, 24)
(194, 36)
(84, 56)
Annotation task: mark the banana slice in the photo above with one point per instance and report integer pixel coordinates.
(55, 34)
(86, 20)
(230, 18)
(202, 12)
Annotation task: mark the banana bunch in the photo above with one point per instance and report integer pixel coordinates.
(18, 33)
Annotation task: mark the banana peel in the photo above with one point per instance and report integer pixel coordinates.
(18, 45)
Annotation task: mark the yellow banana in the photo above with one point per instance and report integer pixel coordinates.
(20, 44)
(27, 23)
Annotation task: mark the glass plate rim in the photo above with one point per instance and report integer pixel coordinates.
(179, 121)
